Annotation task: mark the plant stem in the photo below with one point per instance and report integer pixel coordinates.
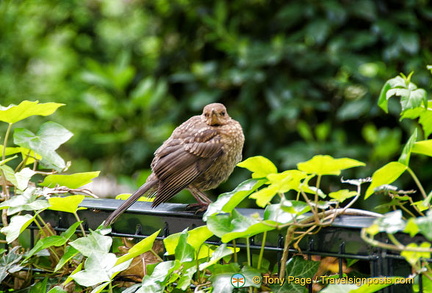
(6, 138)
(248, 251)
(235, 251)
(417, 181)
(81, 226)
(261, 254)
(284, 259)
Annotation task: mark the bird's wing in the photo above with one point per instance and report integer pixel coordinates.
(182, 159)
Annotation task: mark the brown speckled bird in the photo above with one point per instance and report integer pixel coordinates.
(199, 155)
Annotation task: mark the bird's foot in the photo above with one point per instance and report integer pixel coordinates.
(198, 207)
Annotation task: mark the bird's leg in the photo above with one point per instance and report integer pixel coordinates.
(202, 200)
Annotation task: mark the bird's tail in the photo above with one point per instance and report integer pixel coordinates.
(130, 201)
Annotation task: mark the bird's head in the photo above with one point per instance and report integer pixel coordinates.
(215, 114)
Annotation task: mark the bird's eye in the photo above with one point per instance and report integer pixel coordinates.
(206, 114)
(223, 113)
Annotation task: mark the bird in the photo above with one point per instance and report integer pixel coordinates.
(199, 155)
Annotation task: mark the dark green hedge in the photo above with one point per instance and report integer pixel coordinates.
(302, 77)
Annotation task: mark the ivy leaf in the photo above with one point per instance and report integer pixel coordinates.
(423, 147)
(414, 256)
(10, 263)
(411, 96)
(424, 225)
(287, 180)
(195, 238)
(184, 252)
(70, 252)
(55, 240)
(16, 226)
(424, 114)
(235, 225)
(15, 113)
(406, 152)
(48, 139)
(218, 254)
(259, 166)
(99, 267)
(95, 242)
(385, 175)
(342, 194)
(391, 222)
(27, 201)
(327, 165)
(68, 204)
(297, 267)
(265, 195)
(139, 248)
(71, 181)
(227, 201)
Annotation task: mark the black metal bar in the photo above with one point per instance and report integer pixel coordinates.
(340, 240)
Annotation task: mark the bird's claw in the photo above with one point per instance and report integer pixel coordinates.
(198, 207)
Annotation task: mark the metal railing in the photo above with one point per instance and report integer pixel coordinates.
(340, 241)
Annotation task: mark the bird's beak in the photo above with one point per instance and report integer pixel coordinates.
(214, 118)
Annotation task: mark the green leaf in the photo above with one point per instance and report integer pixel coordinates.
(16, 226)
(184, 252)
(411, 96)
(15, 113)
(382, 100)
(9, 174)
(186, 278)
(265, 195)
(287, 180)
(160, 277)
(93, 243)
(342, 194)
(68, 204)
(10, 150)
(71, 181)
(57, 289)
(297, 269)
(55, 240)
(48, 139)
(70, 252)
(426, 120)
(20, 179)
(294, 207)
(391, 222)
(219, 253)
(27, 201)
(286, 212)
(259, 166)
(411, 227)
(423, 147)
(99, 267)
(23, 177)
(326, 165)
(406, 153)
(195, 238)
(414, 256)
(226, 202)
(424, 225)
(139, 248)
(235, 225)
(385, 175)
(10, 263)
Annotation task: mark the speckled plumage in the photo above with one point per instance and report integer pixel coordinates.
(199, 155)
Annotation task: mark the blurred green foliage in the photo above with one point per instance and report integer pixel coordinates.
(302, 77)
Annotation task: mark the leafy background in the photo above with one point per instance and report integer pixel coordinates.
(302, 77)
